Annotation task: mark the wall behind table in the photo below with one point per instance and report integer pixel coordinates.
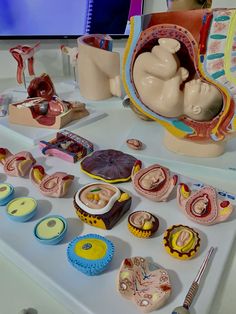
(50, 59)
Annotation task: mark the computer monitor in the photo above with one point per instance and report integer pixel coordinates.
(66, 18)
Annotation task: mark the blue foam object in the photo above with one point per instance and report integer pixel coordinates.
(9, 197)
(87, 266)
(55, 240)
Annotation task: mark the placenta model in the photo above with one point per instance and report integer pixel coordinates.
(180, 75)
(23, 53)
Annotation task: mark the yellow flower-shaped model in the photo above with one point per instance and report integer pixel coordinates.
(181, 241)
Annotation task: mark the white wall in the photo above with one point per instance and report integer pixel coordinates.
(49, 58)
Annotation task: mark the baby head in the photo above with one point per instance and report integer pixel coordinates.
(202, 101)
(178, 5)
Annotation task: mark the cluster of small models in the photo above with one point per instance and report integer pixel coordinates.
(102, 204)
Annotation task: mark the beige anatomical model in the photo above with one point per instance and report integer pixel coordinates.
(158, 77)
(98, 68)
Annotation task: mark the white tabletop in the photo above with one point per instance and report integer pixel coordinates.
(18, 291)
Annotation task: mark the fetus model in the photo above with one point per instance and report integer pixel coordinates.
(180, 75)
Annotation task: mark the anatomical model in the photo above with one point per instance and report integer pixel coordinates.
(98, 67)
(23, 53)
(181, 75)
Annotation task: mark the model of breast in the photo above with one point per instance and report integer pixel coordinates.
(17, 165)
(144, 283)
(180, 74)
(181, 242)
(154, 182)
(98, 67)
(55, 185)
(101, 204)
(142, 224)
(204, 206)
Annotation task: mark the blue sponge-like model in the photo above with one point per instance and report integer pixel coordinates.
(90, 254)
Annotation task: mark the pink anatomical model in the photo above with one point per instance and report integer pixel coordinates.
(23, 53)
(17, 165)
(203, 206)
(144, 283)
(55, 185)
(41, 86)
(154, 182)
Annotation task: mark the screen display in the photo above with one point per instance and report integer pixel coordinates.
(66, 18)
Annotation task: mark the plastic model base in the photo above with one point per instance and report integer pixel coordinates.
(32, 134)
(225, 165)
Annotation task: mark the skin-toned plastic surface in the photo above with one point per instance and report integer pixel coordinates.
(98, 67)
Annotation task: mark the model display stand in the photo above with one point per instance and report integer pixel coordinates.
(52, 271)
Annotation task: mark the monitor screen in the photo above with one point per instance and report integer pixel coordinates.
(66, 18)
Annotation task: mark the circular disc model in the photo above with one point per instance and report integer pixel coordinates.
(109, 165)
(51, 229)
(90, 254)
(6, 193)
(21, 209)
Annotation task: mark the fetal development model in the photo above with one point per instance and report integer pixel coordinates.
(158, 77)
(182, 75)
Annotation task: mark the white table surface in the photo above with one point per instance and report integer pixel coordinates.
(17, 290)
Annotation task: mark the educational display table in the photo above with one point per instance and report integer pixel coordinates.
(78, 293)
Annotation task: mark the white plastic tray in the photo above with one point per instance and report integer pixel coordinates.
(82, 294)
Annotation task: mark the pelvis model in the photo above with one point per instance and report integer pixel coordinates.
(180, 69)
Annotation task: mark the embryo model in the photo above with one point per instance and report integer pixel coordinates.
(181, 75)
